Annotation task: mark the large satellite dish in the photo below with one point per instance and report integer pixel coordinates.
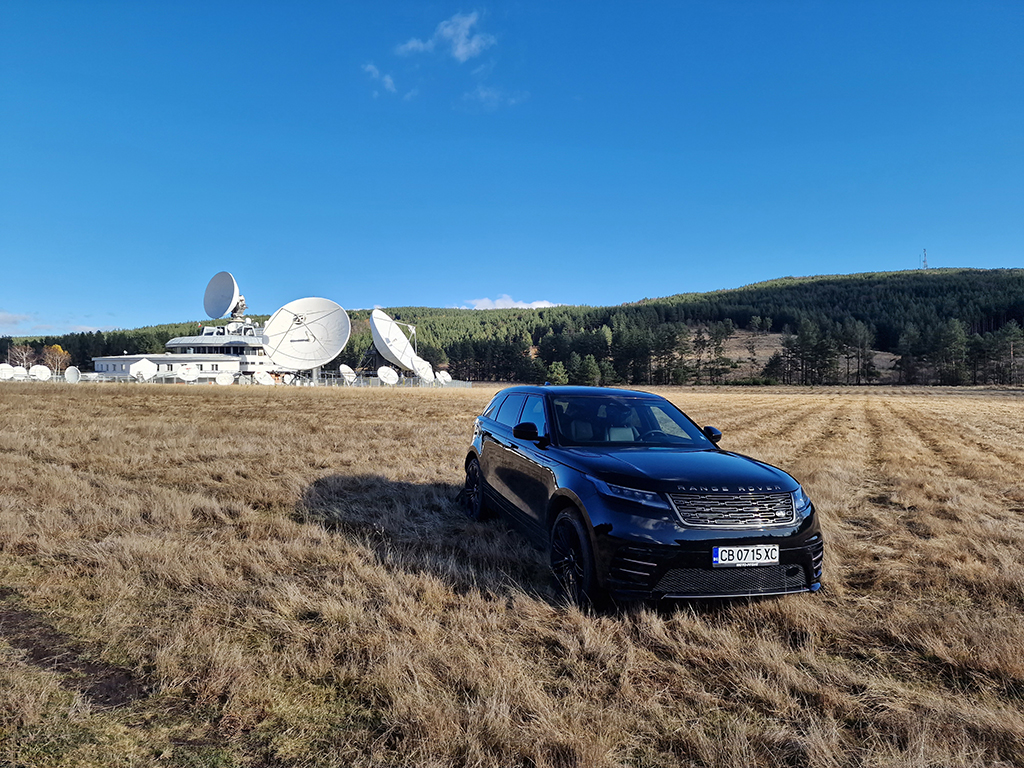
(221, 295)
(40, 373)
(72, 375)
(19, 372)
(306, 333)
(391, 341)
(264, 378)
(6, 372)
(224, 378)
(387, 375)
(187, 372)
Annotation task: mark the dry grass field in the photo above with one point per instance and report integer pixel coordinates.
(204, 576)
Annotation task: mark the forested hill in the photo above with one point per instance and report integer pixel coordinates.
(983, 299)
(923, 315)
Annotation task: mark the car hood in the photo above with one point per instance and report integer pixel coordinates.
(670, 469)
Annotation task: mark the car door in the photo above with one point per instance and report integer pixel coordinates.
(495, 451)
(530, 477)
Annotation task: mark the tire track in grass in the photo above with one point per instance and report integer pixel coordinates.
(107, 686)
(949, 592)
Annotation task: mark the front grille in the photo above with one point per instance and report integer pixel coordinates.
(734, 510)
(731, 582)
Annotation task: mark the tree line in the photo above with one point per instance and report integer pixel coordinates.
(946, 327)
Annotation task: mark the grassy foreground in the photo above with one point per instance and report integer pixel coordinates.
(204, 576)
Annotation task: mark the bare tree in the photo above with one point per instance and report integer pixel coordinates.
(21, 354)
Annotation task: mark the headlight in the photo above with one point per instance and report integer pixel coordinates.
(801, 503)
(647, 498)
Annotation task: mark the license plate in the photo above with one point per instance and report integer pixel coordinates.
(738, 557)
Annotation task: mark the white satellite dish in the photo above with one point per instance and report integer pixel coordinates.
(264, 378)
(6, 372)
(347, 373)
(72, 375)
(387, 375)
(221, 295)
(391, 341)
(444, 377)
(224, 378)
(423, 369)
(187, 372)
(145, 369)
(288, 378)
(306, 333)
(40, 373)
(19, 372)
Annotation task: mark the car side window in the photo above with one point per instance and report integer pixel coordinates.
(492, 407)
(508, 413)
(534, 413)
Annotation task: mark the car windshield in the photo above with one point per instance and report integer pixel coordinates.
(624, 421)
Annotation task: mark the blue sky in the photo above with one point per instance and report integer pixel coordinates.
(438, 154)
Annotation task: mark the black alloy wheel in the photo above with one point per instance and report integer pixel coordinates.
(572, 562)
(473, 493)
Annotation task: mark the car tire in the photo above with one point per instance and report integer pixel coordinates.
(572, 559)
(473, 492)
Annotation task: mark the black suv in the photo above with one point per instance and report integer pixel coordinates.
(632, 498)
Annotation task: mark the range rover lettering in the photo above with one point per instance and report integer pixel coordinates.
(631, 498)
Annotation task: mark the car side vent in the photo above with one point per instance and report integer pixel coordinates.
(734, 510)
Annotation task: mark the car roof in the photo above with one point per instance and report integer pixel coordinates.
(581, 391)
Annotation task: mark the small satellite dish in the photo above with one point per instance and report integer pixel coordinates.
(20, 372)
(187, 372)
(444, 377)
(288, 378)
(306, 333)
(6, 372)
(224, 378)
(72, 375)
(221, 295)
(387, 375)
(144, 369)
(391, 341)
(347, 373)
(40, 373)
(423, 369)
(264, 378)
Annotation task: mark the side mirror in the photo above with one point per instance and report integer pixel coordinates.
(712, 434)
(527, 430)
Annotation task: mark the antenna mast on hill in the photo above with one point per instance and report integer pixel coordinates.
(924, 259)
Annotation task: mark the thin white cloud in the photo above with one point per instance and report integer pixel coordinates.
(504, 301)
(377, 76)
(492, 98)
(12, 324)
(455, 35)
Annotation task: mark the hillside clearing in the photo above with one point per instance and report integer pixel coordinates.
(247, 576)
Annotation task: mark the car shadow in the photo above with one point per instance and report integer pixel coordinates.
(421, 528)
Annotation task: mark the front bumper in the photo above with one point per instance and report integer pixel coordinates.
(634, 570)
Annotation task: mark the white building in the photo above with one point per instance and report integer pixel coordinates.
(235, 348)
(167, 366)
(241, 340)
